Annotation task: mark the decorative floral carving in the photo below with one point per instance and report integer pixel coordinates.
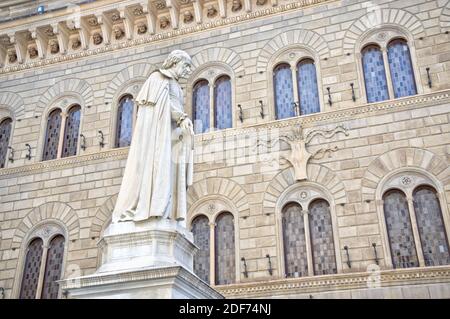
(76, 44)
(261, 2)
(49, 32)
(406, 180)
(33, 52)
(237, 5)
(54, 46)
(160, 5)
(93, 22)
(303, 195)
(98, 39)
(118, 32)
(12, 56)
(188, 17)
(141, 28)
(211, 11)
(138, 12)
(164, 23)
(115, 17)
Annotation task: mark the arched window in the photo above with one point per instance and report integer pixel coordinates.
(398, 224)
(5, 135)
(225, 267)
(322, 242)
(53, 268)
(30, 278)
(284, 92)
(401, 68)
(71, 131)
(45, 286)
(307, 87)
(200, 230)
(431, 227)
(201, 106)
(294, 241)
(52, 135)
(125, 117)
(222, 103)
(374, 74)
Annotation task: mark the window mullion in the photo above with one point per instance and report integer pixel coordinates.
(212, 114)
(415, 230)
(295, 87)
(212, 254)
(42, 272)
(309, 254)
(61, 134)
(387, 69)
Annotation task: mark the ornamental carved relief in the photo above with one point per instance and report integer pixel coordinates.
(118, 33)
(47, 231)
(54, 47)
(76, 44)
(33, 52)
(188, 17)
(164, 23)
(141, 28)
(12, 56)
(138, 12)
(237, 5)
(211, 11)
(98, 39)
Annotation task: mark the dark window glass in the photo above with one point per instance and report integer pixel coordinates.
(32, 267)
(225, 271)
(400, 65)
(374, 74)
(52, 135)
(53, 268)
(307, 87)
(201, 106)
(294, 241)
(398, 223)
(222, 103)
(321, 230)
(124, 130)
(71, 132)
(5, 135)
(431, 227)
(200, 230)
(284, 92)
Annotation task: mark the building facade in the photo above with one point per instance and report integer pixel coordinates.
(322, 140)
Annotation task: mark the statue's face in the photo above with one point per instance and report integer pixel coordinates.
(183, 69)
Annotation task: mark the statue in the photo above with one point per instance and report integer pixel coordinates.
(159, 167)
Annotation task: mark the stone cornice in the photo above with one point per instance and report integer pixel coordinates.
(389, 278)
(90, 10)
(410, 103)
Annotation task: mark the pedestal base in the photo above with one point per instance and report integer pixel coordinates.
(152, 259)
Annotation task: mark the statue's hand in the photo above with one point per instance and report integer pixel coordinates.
(187, 127)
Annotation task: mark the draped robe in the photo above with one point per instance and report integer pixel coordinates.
(159, 167)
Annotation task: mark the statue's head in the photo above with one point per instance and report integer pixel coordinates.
(179, 62)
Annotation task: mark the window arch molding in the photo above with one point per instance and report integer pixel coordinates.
(129, 88)
(382, 36)
(211, 72)
(292, 55)
(65, 103)
(46, 230)
(407, 180)
(305, 194)
(212, 206)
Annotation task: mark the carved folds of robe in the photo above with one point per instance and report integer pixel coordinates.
(160, 161)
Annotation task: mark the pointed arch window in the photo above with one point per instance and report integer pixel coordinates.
(43, 268)
(5, 136)
(431, 227)
(284, 91)
(308, 91)
(201, 106)
(201, 231)
(71, 132)
(225, 257)
(399, 230)
(322, 242)
(52, 135)
(401, 68)
(374, 74)
(222, 103)
(126, 115)
(294, 241)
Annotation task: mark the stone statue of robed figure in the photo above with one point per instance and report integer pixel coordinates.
(159, 167)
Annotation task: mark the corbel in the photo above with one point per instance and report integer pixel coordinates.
(41, 41)
(128, 22)
(149, 10)
(222, 8)
(174, 10)
(198, 10)
(106, 26)
(248, 5)
(20, 44)
(62, 35)
(83, 31)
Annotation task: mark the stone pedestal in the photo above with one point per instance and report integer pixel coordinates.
(152, 259)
